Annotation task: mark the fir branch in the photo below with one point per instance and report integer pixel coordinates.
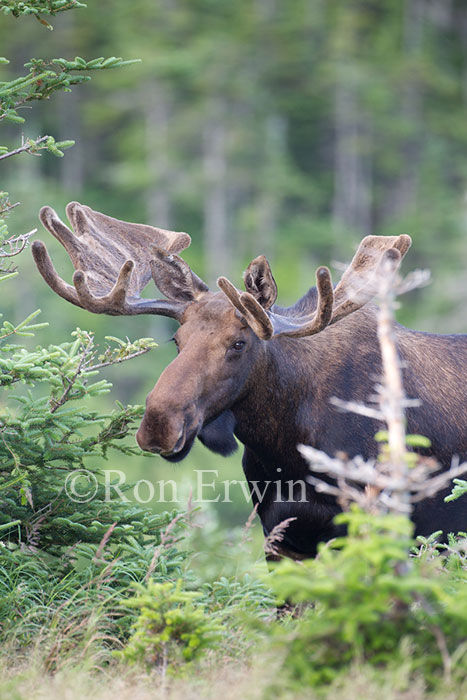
(24, 328)
(126, 350)
(168, 538)
(86, 351)
(29, 146)
(16, 244)
(117, 360)
(7, 207)
(38, 7)
(47, 77)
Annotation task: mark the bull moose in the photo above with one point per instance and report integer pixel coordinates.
(265, 374)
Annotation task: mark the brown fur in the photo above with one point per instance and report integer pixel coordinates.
(279, 393)
(266, 373)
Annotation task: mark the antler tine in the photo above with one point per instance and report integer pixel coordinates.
(49, 273)
(365, 261)
(114, 303)
(357, 295)
(101, 248)
(60, 231)
(267, 324)
(322, 316)
(302, 326)
(403, 244)
(120, 289)
(376, 256)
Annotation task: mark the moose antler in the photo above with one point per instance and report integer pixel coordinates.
(359, 284)
(269, 324)
(360, 281)
(112, 261)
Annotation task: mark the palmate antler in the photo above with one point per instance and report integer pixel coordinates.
(359, 284)
(112, 261)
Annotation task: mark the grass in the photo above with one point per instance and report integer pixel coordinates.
(60, 646)
(228, 679)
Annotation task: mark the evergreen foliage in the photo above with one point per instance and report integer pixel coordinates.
(172, 629)
(459, 489)
(72, 606)
(67, 556)
(367, 603)
(44, 77)
(38, 7)
(45, 436)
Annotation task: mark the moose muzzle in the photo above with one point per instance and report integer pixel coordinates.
(162, 434)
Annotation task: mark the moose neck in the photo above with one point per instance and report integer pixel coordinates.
(280, 391)
(287, 401)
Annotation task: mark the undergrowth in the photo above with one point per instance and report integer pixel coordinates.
(364, 601)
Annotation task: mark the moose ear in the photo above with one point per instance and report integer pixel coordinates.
(260, 283)
(174, 278)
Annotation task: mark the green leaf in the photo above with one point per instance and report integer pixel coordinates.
(417, 441)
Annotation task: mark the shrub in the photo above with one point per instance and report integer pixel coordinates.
(67, 560)
(371, 604)
(173, 627)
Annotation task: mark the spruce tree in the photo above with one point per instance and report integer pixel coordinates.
(66, 548)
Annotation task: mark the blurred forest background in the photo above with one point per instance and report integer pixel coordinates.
(286, 127)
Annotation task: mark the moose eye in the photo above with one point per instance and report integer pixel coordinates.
(238, 345)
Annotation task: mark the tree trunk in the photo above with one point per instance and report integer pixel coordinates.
(157, 116)
(72, 170)
(269, 200)
(406, 188)
(216, 244)
(352, 155)
(70, 119)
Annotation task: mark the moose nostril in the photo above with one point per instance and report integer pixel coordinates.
(143, 443)
(156, 440)
(180, 439)
(138, 438)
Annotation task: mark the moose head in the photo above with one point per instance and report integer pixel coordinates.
(224, 336)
